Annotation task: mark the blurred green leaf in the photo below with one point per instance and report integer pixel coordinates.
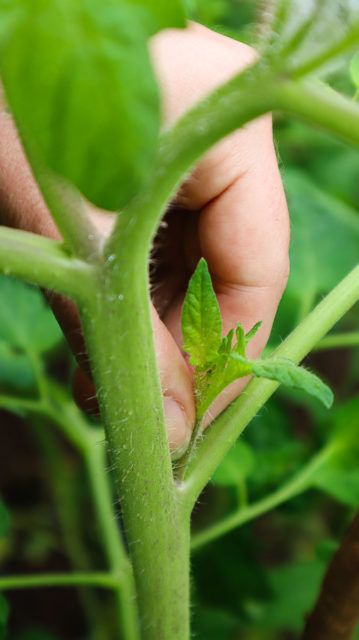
(80, 85)
(279, 452)
(318, 263)
(4, 520)
(16, 372)
(213, 624)
(354, 70)
(339, 477)
(231, 575)
(26, 322)
(341, 484)
(160, 14)
(4, 614)
(326, 549)
(294, 590)
(236, 466)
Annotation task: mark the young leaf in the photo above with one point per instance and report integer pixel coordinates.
(354, 70)
(252, 332)
(240, 346)
(79, 82)
(289, 374)
(201, 319)
(226, 343)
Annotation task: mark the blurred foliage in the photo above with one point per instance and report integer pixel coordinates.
(257, 582)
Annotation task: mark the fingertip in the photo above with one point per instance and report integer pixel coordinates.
(178, 426)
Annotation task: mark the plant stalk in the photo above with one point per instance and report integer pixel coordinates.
(44, 262)
(120, 341)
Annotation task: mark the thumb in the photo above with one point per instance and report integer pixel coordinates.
(177, 385)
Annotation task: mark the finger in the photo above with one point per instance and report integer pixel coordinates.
(176, 383)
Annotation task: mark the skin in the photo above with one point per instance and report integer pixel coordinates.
(231, 210)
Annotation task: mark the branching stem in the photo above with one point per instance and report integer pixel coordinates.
(44, 262)
(229, 425)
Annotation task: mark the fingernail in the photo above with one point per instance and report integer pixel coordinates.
(178, 430)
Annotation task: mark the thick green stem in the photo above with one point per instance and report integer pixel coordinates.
(43, 262)
(300, 482)
(320, 105)
(220, 436)
(120, 342)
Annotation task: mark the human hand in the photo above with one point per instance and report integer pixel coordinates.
(231, 210)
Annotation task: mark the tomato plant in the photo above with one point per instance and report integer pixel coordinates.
(65, 63)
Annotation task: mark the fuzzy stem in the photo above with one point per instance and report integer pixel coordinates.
(44, 262)
(119, 336)
(319, 105)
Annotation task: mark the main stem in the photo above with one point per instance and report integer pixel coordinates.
(119, 336)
